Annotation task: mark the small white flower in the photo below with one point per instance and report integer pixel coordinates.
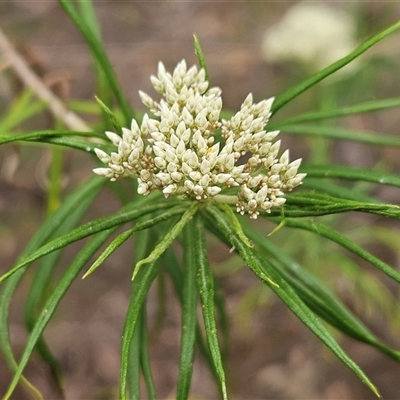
(176, 153)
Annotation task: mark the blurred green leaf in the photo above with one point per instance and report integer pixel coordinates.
(332, 132)
(48, 228)
(97, 49)
(335, 190)
(23, 108)
(331, 234)
(51, 304)
(368, 107)
(39, 286)
(317, 296)
(44, 135)
(299, 88)
(127, 214)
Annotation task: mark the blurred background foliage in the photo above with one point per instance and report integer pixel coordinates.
(272, 355)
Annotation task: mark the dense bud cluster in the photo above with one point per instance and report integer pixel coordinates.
(177, 152)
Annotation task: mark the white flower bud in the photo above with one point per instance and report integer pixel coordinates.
(106, 172)
(103, 157)
(213, 190)
(169, 189)
(114, 138)
(177, 176)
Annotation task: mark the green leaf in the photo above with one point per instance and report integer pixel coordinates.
(113, 119)
(144, 356)
(54, 299)
(45, 135)
(51, 224)
(88, 15)
(23, 108)
(313, 204)
(123, 237)
(206, 290)
(37, 292)
(235, 223)
(222, 317)
(168, 238)
(296, 90)
(317, 296)
(367, 107)
(134, 364)
(76, 143)
(200, 56)
(188, 324)
(338, 191)
(100, 55)
(331, 234)
(282, 288)
(140, 287)
(174, 270)
(341, 133)
(142, 242)
(127, 214)
(350, 173)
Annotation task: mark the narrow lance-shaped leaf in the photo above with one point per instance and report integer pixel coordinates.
(206, 291)
(350, 173)
(140, 287)
(113, 119)
(43, 135)
(334, 132)
(188, 324)
(127, 214)
(51, 304)
(142, 242)
(144, 355)
(101, 56)
(168, 238)
(329, 233)
(50, 225)
(294, 91)
(321, 204)
(251, 257)
(123, 237)
(174, 270)
(20, 110)
(335, 190)
(200, 56)
(38, 293)
(367, 107)
(318, 297)
(88, 15)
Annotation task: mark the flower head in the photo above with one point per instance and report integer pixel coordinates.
(180, 153)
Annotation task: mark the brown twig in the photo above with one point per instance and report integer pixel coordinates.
(30, 79)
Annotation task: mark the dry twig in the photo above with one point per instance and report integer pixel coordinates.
(30, 79)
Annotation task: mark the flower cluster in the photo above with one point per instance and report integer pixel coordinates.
(187, 150)
(314, 34)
